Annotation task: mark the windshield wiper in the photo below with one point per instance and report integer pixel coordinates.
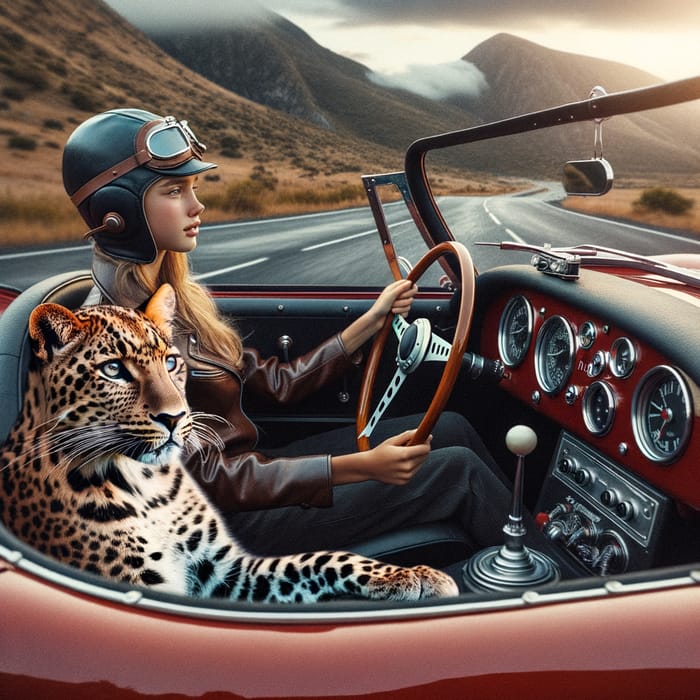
(566, 262)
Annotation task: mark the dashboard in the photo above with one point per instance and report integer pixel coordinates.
(610, 361)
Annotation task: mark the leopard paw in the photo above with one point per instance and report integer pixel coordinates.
(434, 583)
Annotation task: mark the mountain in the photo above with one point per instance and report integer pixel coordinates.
(273, 62)
(523, 76)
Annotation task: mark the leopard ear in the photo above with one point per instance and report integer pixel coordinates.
(161, 307)
(51, 327)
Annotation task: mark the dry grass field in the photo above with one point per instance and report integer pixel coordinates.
(619, 203)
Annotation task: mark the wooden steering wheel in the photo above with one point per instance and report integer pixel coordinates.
(418, 344)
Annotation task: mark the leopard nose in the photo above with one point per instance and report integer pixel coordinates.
(169, 420)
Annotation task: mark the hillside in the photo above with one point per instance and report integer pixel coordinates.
(63, 61)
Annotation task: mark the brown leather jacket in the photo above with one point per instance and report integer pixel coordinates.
(238, 477)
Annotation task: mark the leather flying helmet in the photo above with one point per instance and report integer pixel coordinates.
(110, 161)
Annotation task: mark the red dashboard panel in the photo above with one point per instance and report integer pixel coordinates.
(593, 340)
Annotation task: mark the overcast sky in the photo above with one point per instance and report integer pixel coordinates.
(395, 36)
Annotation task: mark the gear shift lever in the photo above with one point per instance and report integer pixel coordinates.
(512, 565)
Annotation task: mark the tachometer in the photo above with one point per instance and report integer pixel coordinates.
(515, 331)
(662, 413)
(554, 354)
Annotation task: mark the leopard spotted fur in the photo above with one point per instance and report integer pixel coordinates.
(91, 473)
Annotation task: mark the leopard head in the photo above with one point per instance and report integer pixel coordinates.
(109, 382)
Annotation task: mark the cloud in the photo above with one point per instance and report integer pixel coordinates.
(533, 14)
(179, 14)
(457, 78)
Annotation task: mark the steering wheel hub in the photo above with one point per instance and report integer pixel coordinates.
(413, 345)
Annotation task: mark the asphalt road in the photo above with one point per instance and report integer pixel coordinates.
(342, 247)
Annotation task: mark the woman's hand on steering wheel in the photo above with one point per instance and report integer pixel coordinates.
(393, 461)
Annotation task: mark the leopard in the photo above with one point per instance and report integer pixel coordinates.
(92, 474)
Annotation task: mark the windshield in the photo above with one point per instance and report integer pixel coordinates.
(511, 188)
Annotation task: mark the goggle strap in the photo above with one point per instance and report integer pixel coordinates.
(109, 175)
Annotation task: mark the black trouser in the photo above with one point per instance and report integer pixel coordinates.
(459, 480)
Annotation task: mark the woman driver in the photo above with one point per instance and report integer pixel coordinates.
(133, 176)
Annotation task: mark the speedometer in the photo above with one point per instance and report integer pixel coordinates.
(662, 412)
(554, 354)
(515, 331)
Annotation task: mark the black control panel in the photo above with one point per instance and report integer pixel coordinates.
(601, 515)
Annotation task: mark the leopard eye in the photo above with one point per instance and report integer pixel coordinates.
(115, 370)
(171, 363)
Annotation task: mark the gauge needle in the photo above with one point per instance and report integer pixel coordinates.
(666, 417)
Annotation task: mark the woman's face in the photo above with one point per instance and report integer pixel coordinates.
(172, 211)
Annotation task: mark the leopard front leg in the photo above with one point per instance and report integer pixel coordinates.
(318, 576)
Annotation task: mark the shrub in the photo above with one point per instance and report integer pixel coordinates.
(13, 92)
(662, 199)
(331, 196)
(85, 101)
(245, 197)
(28, 75)
(231, 146)
(54, 124)
(22, 143)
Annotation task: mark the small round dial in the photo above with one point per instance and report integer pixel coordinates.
(515, 331)
(554, 354)
(586, 334)
(623, 357)
(662, 413)
(598, 408)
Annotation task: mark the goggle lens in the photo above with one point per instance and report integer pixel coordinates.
(172, 140)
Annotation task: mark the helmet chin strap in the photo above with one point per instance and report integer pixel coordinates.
(111, 223)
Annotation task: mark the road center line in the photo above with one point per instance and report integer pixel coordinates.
(45, 251)
(350, 238)
(224, 270)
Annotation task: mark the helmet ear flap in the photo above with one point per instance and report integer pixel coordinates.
(132, 241)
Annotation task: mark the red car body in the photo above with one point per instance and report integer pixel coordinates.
(627, 634)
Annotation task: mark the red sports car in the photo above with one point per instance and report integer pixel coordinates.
(583, 324)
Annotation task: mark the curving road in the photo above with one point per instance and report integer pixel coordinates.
(342, 247)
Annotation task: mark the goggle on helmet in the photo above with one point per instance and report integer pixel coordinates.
(111, 160)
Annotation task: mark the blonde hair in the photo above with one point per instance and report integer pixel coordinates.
(197, 311)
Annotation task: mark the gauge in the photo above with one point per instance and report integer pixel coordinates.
(554, 354)
(598, 364)
(623, 357)
(598, 408)
(586, 334)
(515, 331)
(662, 413)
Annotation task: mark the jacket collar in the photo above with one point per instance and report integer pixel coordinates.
(104, 272)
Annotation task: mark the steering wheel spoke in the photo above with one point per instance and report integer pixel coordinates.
(396, 381)
(438, 350)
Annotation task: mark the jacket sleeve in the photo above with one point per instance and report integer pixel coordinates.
(236, 476)
(288, 382)
(250, 481)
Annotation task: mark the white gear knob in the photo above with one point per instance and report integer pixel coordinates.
(521, 440)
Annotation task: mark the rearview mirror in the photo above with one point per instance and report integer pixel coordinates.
(587, 177)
